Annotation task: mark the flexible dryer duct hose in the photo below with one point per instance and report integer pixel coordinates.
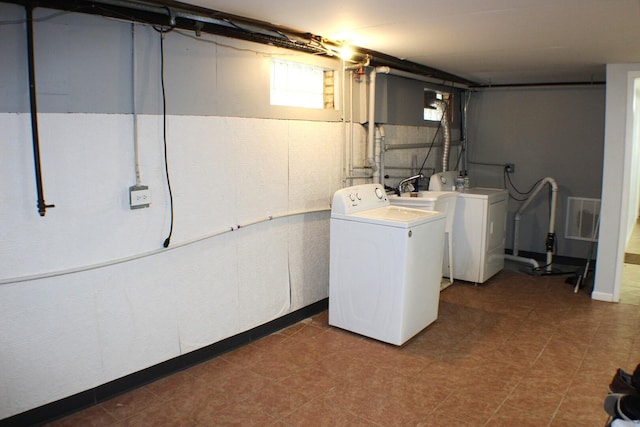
(446, 134)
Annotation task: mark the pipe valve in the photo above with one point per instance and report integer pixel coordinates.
(550, 242)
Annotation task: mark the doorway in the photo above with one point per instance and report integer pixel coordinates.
(621, 178)
(630, 279)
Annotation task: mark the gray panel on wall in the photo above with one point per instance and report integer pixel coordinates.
(191, 74)
(14, 87)
(84, 65)
(399, 101)
(405, 100)
(251, 77)
(382, 100)
(148, 83)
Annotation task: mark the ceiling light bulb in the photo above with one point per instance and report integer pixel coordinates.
(346, 53)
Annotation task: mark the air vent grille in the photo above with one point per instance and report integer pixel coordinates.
(583, 218)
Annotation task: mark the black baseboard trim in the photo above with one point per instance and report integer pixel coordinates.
(85, 399)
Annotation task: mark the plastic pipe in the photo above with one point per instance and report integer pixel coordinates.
(378, 173)
(541, 184)
(117, 261)
(371, 129)
(552, 223)
(552, 220)
(344, 165)
(388, 70)
(465, 136)
(531, 261)
(516, 234)
(134, 112)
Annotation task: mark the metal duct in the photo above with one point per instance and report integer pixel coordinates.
(446, 133)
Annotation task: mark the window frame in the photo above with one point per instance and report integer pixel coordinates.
(289, 85)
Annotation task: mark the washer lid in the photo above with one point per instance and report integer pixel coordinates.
(485, 193)
(392, 216)
(422, 197)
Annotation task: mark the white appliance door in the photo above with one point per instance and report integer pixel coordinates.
(365, 277)
(385, 281)
(496, 235)
(468, 238)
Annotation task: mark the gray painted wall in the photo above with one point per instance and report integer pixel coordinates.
(556, 132)
(224, 79)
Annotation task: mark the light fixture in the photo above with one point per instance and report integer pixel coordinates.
(345, 52)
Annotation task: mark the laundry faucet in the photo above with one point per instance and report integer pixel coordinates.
(404, 181)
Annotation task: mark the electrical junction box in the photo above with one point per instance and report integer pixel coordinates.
(139, 196)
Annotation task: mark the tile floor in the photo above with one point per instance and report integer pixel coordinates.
(630, 283)
(516, 351)
(632, 252)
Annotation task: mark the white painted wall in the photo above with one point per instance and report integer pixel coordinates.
(619, 188)
(65, 334)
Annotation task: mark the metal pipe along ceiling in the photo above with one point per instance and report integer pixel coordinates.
(198, 19)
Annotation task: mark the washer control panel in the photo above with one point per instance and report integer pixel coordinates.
(359, 198)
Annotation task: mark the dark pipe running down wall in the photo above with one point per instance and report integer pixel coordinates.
(42, 206)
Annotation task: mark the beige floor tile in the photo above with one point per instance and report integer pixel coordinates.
(518, 350)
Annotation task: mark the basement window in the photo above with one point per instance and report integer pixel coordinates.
(433, 108)
(301, 85)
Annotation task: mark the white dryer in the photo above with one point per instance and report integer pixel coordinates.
(385, 265)
(480, 229)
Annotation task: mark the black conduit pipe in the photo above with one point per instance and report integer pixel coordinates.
(42, 206)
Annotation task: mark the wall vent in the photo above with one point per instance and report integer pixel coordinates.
(583, 219)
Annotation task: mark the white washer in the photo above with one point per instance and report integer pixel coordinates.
(441, 201)
(385, 265)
